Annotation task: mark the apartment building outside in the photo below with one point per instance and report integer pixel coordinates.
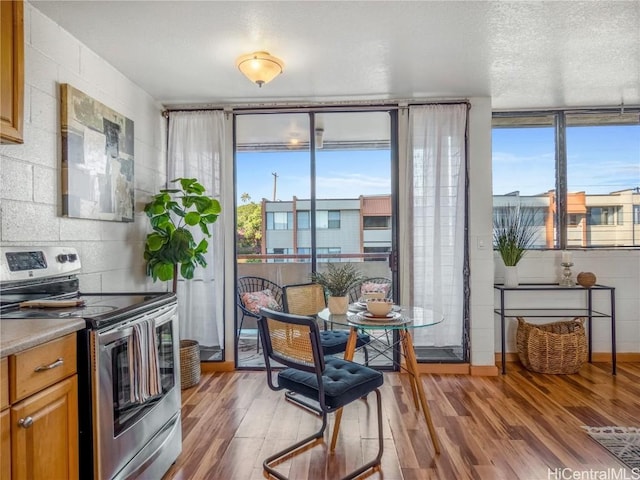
(359, 229)
(356, 229)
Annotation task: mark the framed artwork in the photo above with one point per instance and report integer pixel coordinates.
(97, 159)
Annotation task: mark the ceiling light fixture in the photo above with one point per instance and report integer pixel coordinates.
(260, 67)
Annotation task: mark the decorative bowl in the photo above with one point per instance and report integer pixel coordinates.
(586, 279)
(379, 306)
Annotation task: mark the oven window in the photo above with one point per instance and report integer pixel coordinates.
(126, 408)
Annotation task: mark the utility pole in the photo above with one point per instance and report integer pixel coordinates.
(275, 182)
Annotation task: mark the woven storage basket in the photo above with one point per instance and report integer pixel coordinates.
(558, 348)
(189, 363)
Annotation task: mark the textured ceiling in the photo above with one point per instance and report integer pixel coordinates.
(522, 54)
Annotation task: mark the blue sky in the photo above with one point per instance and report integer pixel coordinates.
(600, 160)
(339, 174)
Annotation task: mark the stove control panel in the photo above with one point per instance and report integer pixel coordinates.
(23, 263)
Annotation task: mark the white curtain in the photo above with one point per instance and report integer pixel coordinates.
(436, 196)
(196, 149)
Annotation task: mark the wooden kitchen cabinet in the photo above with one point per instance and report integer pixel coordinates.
(44, 433)
(5, 433)
(11, 71)
(42, 421)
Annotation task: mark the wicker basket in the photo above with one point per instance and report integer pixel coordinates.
(189, 363)
(558, 348)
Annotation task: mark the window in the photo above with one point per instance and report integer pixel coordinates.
(328, 219)
(304, 251)
(573, 220)
(590, 181)
(280, 251)
(602, 216)
(636, 214)
(383, 251)
(303, 220)
(376, 222)
(279, 220)
(325, 254)
(334, 219)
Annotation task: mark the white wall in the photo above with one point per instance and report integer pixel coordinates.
(480, 233)
(616, 268)
(111, 252)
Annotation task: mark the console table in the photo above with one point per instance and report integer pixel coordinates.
(541, 312)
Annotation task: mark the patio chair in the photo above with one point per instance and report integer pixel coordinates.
(253, 293)
(371, 285)
(309, 299)
(294, 341)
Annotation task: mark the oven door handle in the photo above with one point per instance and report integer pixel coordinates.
(160, 317)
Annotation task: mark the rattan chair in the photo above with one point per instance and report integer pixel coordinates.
(355, 293)
(294, 341)
(251, 285)
(309, 299)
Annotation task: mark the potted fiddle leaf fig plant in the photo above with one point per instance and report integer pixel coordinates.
(173, 213)
(337, 280)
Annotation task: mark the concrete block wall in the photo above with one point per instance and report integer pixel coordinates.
(30, 185)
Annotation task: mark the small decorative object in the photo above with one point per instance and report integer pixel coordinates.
(97, 159)
(337, 280)
(513, 233)
(566, 280)
(586, 279)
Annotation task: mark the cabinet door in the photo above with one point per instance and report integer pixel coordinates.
(44, 434)
(11, 71)
(5, 446)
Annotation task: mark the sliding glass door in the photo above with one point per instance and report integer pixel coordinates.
(312, 188)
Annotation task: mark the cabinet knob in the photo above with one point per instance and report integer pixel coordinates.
(25, 422)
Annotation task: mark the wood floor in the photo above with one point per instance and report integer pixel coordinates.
(515, 426)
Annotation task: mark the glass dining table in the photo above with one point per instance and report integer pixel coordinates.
(403, 320)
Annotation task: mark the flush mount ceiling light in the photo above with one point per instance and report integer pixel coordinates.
(260, 67)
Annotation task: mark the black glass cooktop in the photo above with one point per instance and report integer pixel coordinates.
(97, 309)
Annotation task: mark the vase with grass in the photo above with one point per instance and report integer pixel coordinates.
(513, 234)
(337, 279)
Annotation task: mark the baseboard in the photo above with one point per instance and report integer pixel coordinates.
(212, 367)
(621, 357)
(444, 368)
(484, 370)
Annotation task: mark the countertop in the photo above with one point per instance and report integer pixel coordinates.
(19, 335)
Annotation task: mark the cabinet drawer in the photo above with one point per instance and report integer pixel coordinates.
(41, 366)
(4, 383)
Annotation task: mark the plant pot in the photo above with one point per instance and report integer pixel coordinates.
(338, 305)
(189, 363)
(511, 276)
